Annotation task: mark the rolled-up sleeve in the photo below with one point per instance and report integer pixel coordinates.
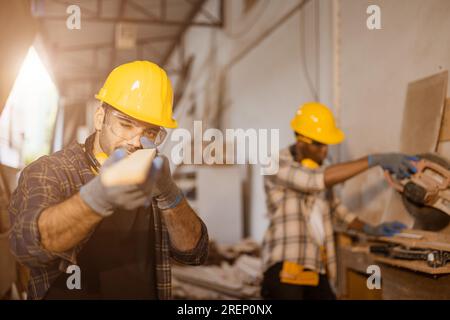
(195, 256)
(342, 213)
(38, 189)
(295, 177)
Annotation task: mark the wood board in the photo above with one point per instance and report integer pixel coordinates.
(422, 116)
(445, 125)
(429, 240)
(131, 170)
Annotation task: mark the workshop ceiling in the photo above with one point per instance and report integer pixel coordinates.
(81, 59)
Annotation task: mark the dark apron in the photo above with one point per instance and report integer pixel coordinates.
(117, 262)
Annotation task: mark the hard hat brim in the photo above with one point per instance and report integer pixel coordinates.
(333, 138)
(329, 138)
(169, 125)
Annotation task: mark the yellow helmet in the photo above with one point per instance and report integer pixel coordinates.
(141, 90)
(316, 121)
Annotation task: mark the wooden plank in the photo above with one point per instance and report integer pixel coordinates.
(423, 112)
(131, 170)
(445, 126)
(429, 240)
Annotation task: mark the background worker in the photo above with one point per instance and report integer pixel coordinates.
(121, 237)
(298, 250)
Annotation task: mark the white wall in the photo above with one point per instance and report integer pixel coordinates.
(221, 210)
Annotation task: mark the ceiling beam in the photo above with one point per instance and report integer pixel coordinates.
(101, 76)
(208, 15)
(142, 10)
(120, 15)
(104, 45)
(99, 8)
(82, 8)
(134, 20)
(194, 11)
(163, 9)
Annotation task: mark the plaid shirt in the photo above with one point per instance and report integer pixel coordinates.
(53, 179)
(291, 195)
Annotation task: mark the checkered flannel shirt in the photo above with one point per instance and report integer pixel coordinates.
(53, 179)
(290, 196)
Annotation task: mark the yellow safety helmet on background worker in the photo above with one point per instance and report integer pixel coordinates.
(141, 90)
(315, 121)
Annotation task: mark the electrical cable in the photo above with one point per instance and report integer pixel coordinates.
(311, 86)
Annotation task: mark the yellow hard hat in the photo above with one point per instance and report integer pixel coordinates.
(141, 90)
(315, 121)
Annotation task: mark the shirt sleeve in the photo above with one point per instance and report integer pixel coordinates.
(38, 188)
(342, 213)
(300, 179)
(196, 256)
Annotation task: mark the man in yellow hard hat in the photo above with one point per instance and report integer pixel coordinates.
(298, 250)
(117, 240)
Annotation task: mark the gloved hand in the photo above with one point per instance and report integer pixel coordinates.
(396, 163)
(165, 191)
(104, 200)
(386, 229)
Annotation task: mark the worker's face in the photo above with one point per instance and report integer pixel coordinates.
(118, 131)
(315, 151)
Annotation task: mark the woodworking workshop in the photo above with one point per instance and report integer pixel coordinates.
(238, 150)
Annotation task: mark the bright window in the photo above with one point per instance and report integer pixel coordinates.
(28, 118)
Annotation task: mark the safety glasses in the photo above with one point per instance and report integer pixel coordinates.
(127, 129)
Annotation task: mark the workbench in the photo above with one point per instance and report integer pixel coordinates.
(400, 279)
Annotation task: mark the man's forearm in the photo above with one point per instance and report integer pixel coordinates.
(66, 224)
(183, 225)
(340, 172)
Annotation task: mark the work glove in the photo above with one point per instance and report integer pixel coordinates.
(104, 200)
(396, 163)
(386, 229)
(164, 190)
